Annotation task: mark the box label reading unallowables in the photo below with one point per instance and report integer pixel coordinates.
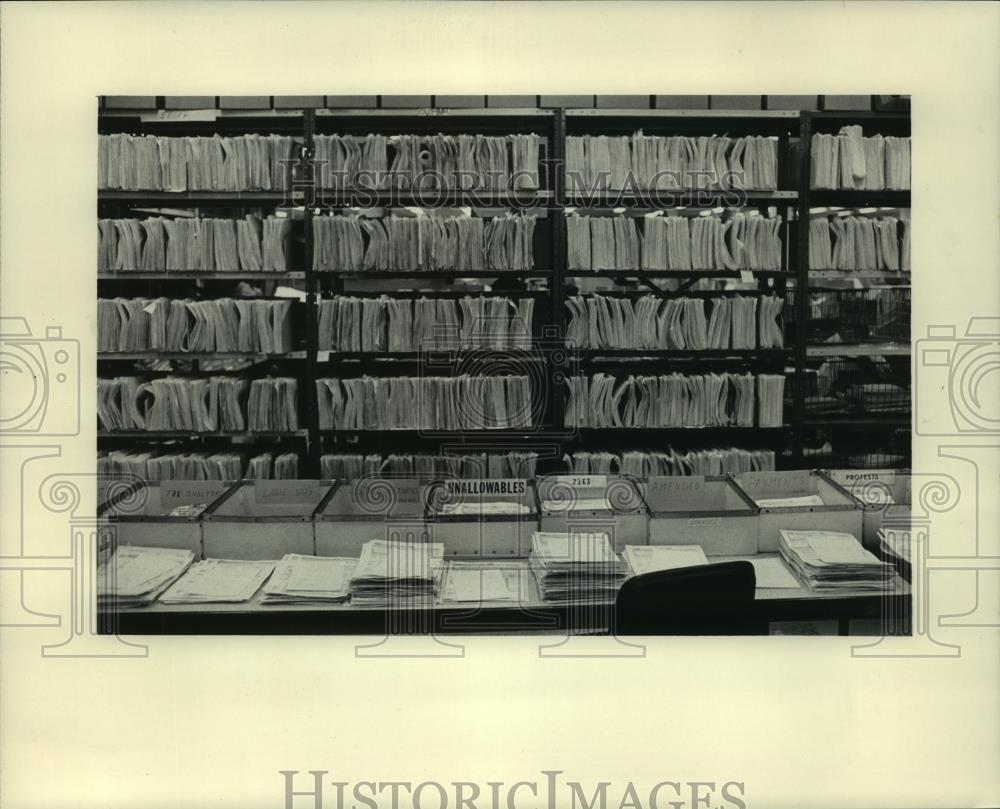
(704, 522)
(190, 492)
(485, 486)
(287, 491)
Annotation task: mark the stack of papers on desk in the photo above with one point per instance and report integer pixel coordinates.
(473, 582)
(135, 576)
(650, 558)
(575, 566)
(301, 579)
(828, 560)
(218, 581)
(484, 509)
(391, 574)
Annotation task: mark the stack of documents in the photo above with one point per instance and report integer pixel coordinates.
(650, 558)
(670, 400)
(172, 404)
(479, 465)
(428, 161)
(848, 160)
(476, 583)
(795, 501)
(273, 404)
(225, 325)
(771, 399)
(600, 163)
(355, 243)
(651, 464)
(575, 566)
(496, 507)
(649, 321)
(218, 581)
(136, 576)
(195, 244)
(301, 579)
(392, 574)
(740, 241)
(828, 560)
(378, 324)
(266, 467)
(857, 243)
(431, 403)
(214, 163)
(879, 397)
(154, 464)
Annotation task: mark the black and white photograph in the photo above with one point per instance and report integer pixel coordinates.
(580, 364)
(432, 404)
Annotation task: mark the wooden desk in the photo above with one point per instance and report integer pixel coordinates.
(529, 614)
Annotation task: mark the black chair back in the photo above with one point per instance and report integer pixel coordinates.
(703, 600)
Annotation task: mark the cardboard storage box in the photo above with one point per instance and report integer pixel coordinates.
(352, 102)
(479, 530)
(263, 519)
(883, 494)
(740, 102)
(629, 102)
(838, 512)
(512, 102)
(681, 102)
(189, 102)
(708, 511)
(356, 511)
(570, 503)
(573, 102)
(245, 102)
(788, 102)
(847, 103)
(459, 101)
(405, 102)
(144, 518)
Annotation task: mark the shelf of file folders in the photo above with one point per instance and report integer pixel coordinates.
(406, 157)
(668, 157)
(685, 244)
(206, 386)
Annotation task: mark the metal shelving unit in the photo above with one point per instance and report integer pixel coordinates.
(794, 199)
